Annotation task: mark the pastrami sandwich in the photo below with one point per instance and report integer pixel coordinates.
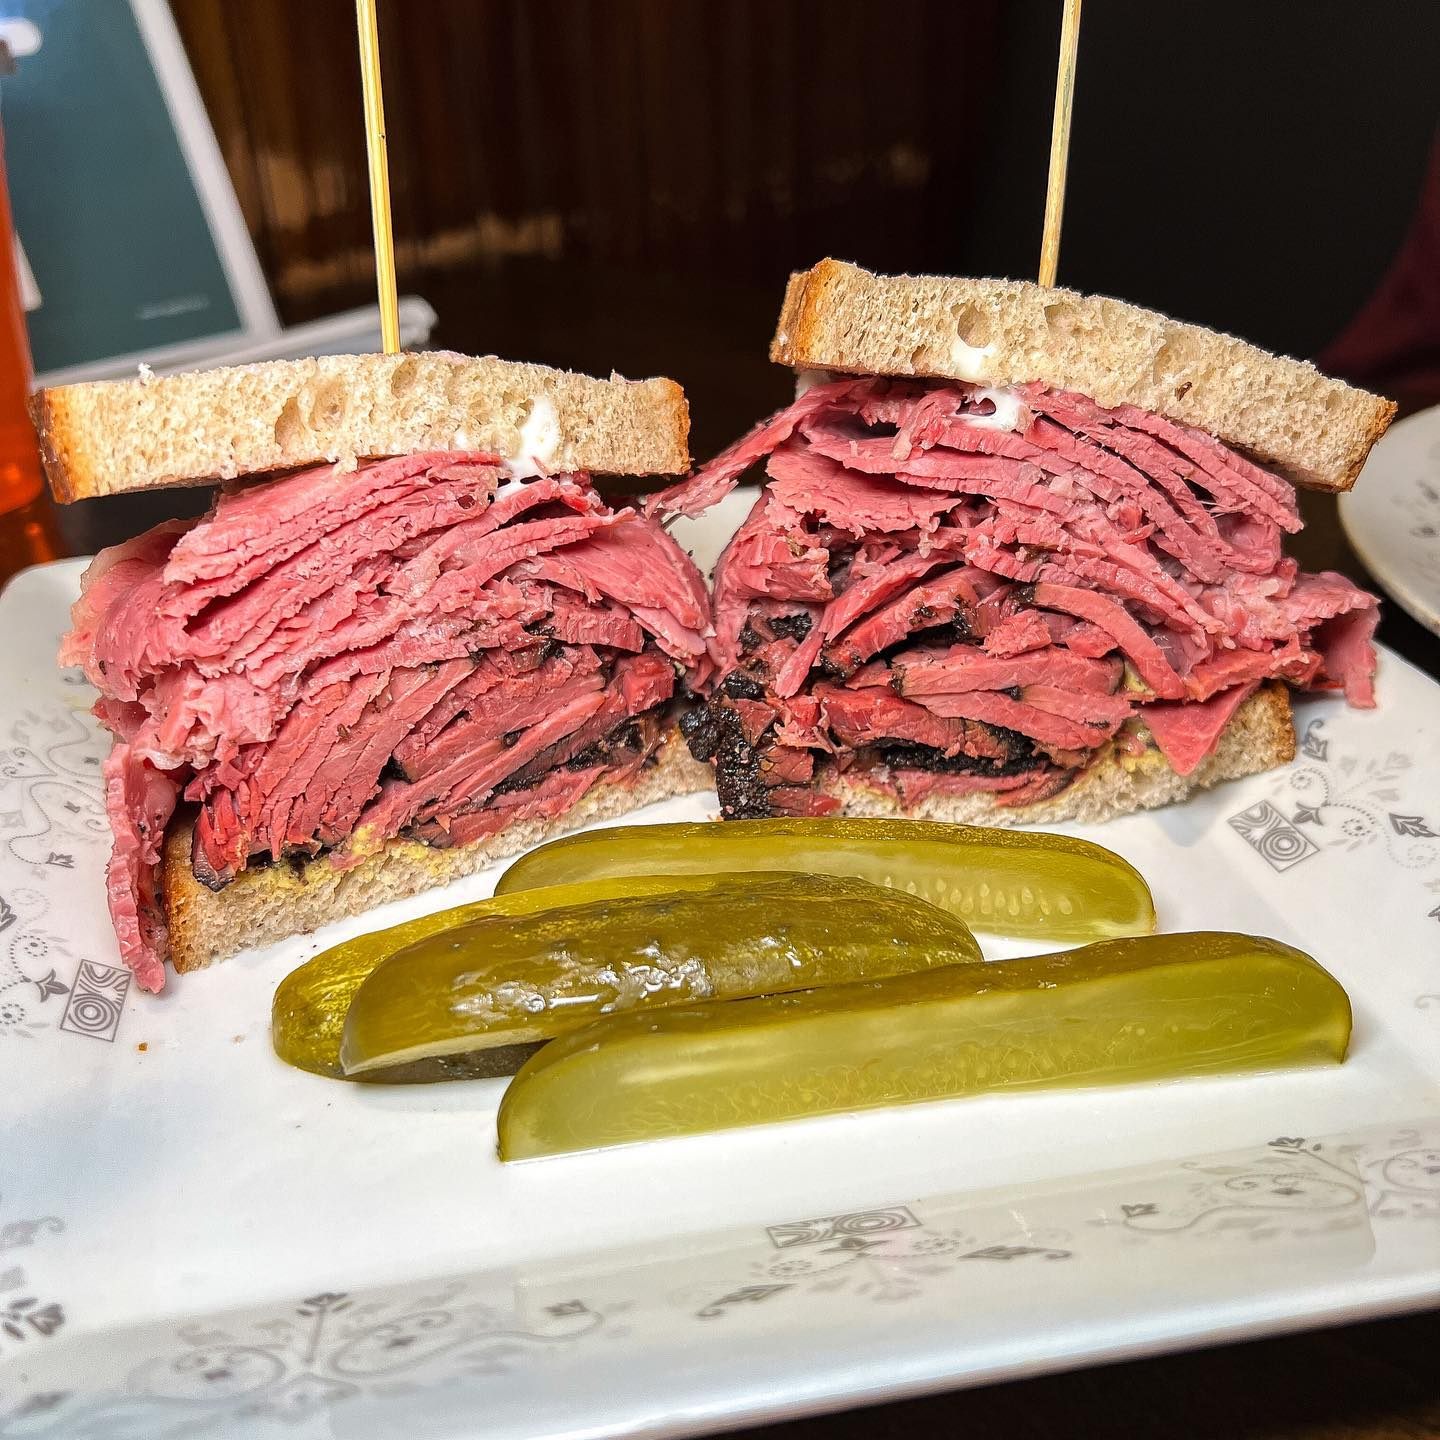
(408, 637)
(1018, 557)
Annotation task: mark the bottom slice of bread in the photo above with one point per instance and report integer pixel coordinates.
(261, 906)
(1260, 736)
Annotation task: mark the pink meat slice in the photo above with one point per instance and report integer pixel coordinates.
(559, 791)
(234, 627)
(1041, 725)
(641, 567)
(638, 684)
(107, 581)
(1188, 732)
(350, 774)
(578, 623)
(274, 664)
(469, 699)
(913, 786)
(857, 600)
(511, 707)
(713, 482)
(810, 484)
(271, 521)
(139, 800)
(1221, 466)
(1347, 650)
(464, 782)
(1017, 633)
(951, 596)
(967, 667)
(1115, 620)
(859, 717)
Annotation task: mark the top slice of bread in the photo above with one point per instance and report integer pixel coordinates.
(1312, 429)
(199, 428)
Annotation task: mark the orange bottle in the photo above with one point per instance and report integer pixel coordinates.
(28, 530)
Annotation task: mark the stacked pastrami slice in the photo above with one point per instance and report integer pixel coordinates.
(957, 589)
(421, 647)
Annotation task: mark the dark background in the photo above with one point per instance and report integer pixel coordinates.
(626, 184)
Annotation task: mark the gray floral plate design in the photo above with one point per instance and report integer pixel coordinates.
(1392, 516)
(197, 1241)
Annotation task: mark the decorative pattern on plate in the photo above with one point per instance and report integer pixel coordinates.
(461, 1339)
(97, 999)
(840, 1227)
(1334, 800)
(1247, 1197)
(1279, 843)
(52, 818)
(301, 1362)
(25, 1315)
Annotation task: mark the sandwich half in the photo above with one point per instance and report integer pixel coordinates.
(1018, 557)
(409, 637)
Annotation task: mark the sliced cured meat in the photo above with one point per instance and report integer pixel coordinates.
(108, 581)
(139, 800)
(330, 657)
(713, 482)
(1188, 733)
(811, 484)
(967, 667)
(857, 599)
(950, 564)
(859, 717)
(1053, 731)
(641, 567)
(254, 528)
(1111, 616)
(509, 708)
(950, 599)
(1347, 652)
(558, 792)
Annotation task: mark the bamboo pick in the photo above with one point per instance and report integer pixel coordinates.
(1060, 142)
(379, 175)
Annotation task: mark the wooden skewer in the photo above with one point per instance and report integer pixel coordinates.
(1060, 142)
(379, 175)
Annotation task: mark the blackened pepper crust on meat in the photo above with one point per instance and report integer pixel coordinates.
(740, 686)
(1021, 758)
(423, 646)
(930, 566)
(714, 734)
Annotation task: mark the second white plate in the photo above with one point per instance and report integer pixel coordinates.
(1392, 516)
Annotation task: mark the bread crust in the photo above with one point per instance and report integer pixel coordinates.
(199, 428)
(261, 906)
(1260, 736)
(1311, 428)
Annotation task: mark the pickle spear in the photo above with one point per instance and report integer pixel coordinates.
(1110, 1013)
(308, 1013)
(1007, 882)
(514, 981)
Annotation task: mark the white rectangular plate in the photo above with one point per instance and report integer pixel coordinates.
(196, 1240)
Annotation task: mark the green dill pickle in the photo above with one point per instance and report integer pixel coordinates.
(308, 1013)
(1005, 882)
(504, 981)
(1111, 1013)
